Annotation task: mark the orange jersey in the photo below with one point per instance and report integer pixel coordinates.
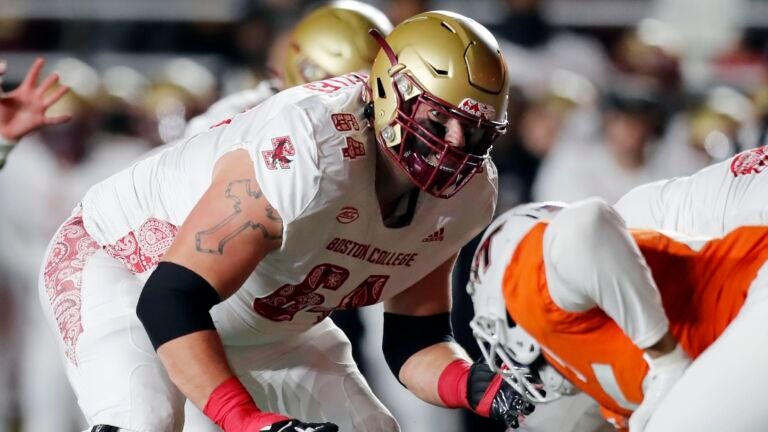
(702, 292)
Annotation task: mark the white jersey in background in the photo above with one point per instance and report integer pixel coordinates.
(710, 202)
(231, 105)
(314, 159)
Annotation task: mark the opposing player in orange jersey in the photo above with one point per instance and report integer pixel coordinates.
(567, 299)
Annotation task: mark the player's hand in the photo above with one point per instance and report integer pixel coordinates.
(23, 110)
(298, 426)
(663, 374)
(485, 387)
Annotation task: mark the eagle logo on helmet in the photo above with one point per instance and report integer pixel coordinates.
(478, 109)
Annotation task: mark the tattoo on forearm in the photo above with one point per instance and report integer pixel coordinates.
(272, 215)
(214, 239)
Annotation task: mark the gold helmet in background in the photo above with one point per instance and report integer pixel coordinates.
(85, 87)
(333, 40)
(453, 65)
(180, 89)
(715, 124)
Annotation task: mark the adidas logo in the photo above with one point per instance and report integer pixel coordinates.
(438, 235)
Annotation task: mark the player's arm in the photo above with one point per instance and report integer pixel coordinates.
(652, 205)
(23, 110)
(227, 233)
(419, 348)
(710, 202)
(592, 261)
(222, 240)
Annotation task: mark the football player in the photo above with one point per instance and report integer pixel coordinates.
(567, 299)
(23, 110)
(330, 41)
(336, 194)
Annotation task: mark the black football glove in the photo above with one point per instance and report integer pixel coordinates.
(298, 426)
(506, 404)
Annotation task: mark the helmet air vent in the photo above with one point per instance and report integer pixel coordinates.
(439, 72)
(447, 27)
(380, 89)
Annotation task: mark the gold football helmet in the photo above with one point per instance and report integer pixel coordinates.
(453, 65)
(715, 125)
(333, 40)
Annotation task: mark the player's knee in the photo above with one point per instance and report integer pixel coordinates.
(147, 403)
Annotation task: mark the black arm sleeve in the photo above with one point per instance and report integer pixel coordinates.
(405, 335)
(175, 302)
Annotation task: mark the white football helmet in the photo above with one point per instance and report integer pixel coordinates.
(508, 349)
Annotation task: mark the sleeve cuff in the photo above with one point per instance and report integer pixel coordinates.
(653, 336)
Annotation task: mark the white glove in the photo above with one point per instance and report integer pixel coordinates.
(664, 372)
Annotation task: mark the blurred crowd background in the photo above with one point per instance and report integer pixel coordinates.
(607, 94)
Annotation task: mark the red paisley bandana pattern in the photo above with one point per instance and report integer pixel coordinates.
(62, 277)
(141, 249)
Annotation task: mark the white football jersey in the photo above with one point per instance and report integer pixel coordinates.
(230, 106)
(314, 156)
(710, 202)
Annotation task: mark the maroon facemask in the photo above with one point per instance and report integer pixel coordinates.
(424, 154)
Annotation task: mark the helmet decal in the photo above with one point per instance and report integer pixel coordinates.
(477, 109)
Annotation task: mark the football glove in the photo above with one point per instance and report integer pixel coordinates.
(293, 425)
(485, 387)
(663, 374)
